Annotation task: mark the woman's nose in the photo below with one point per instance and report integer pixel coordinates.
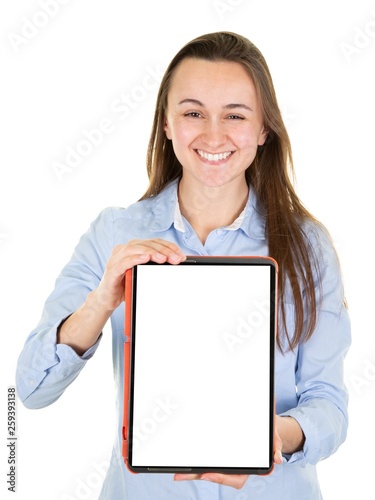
(214, 135)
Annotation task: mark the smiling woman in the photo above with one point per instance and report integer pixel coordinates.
(219, 163)
(214, 145)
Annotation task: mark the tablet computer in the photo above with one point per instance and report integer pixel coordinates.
(199, 366)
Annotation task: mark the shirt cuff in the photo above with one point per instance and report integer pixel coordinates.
(324, 426)
(310, 452)
(68, 355)
(45, 368)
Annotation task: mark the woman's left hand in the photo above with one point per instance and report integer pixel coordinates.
(235, 480)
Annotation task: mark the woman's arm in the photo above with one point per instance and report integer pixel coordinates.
(322, 407)
(291, 435)
(83, 328)
(67, 334)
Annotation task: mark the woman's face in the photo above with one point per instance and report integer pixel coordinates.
(214, 121)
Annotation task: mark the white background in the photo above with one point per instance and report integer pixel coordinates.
(67, 79)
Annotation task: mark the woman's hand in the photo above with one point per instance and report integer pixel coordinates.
(235, 480)
(110, 292)
(82, 329)
(291, 434)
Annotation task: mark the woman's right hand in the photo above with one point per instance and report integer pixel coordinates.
(110, 292)
(82, 329)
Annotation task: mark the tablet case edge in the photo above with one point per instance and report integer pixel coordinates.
(127, 351)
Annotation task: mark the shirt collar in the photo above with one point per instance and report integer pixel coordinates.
(166, 211)
(178, 219)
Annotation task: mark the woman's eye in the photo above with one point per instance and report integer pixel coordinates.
(235, 117)
(193, 114)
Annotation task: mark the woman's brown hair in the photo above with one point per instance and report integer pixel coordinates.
(269, 175)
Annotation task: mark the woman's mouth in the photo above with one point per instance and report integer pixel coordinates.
(213, 156)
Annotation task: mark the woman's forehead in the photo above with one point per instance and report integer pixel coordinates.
(197, 78)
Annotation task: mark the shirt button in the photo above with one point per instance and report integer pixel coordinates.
(31, 381)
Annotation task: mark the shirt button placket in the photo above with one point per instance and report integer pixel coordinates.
(192, 242)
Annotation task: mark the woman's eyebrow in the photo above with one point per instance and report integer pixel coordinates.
(227, 106)
(192, 101)
(235, 106)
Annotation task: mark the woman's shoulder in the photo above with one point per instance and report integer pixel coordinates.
(137, 209)
(117, 216)
(140, 215)
(320, 241)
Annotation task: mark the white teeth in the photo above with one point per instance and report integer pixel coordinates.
(213, 157)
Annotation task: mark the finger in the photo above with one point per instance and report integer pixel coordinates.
(186, 477)
(236, 481)
(169, 245)
(278, 457)
(165, 251)
(158, 250)
(278, 445)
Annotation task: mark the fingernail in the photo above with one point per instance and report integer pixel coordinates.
(175, 257)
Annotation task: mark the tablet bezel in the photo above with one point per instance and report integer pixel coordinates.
(129, 353)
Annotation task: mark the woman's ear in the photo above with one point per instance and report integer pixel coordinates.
(166, 129)
(262, 136)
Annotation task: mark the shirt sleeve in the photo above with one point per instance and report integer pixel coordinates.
(45, 368)
(322, 409)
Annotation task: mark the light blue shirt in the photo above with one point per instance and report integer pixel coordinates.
(309, 381)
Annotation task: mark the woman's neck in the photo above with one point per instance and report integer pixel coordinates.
(209, 208)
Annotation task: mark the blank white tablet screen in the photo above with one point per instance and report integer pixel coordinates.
(202, 366)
